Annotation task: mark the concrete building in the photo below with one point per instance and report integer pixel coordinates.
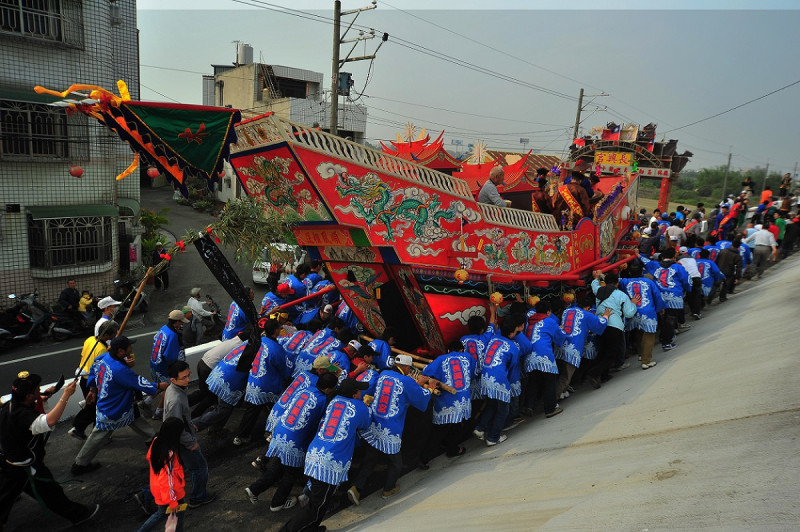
(291, 93)
(54, 226)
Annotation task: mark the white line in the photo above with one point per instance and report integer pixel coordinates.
(73, 349)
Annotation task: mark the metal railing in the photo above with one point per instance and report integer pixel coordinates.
(530, 221)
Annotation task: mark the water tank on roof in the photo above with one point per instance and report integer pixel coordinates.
(244, 55)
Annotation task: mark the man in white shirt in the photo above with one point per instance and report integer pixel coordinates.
(198, 313)
(696, 295)
(763, 240)
(489, 193)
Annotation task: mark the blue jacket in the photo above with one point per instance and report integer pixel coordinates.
(115, 383)
(455, 370)
(709, 274)
(303, 380)
(515, 375)
(545, 335)
(713, 250)
(235, 323)
(348, 316)
(620, 304)
(672, 280)
(294, 343)
(269, 372)
(577, 324)
(320, 344)
(369, 376)
(475, 347)
(498, 361)
(166, 350)
(383, 352)
(270, 303)
(297, 425)
(746, 254)
(646, 318)
(224, 381)
(394, 392)
(330, 453)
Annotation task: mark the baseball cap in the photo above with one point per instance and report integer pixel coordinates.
(108, 301)
(159, 243)
(120, 342)
(328, 309)
(25, 383)
(684, 249)
(355, 344)
(349, 387)
(648, 231)
(323, 362)
(674, 237)
(177, 315)
(186, 310)
(405, 360)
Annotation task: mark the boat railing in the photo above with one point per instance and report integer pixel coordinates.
(519, 219)
(270, 129)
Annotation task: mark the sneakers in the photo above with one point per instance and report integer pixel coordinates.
(651, 364)
(555, 412)
(83, 469)
(237, 441)
(354, 495)
(90, 512)
(259, 463)
(394, 491)
(479, 434)
(667, 347)
(564, 395)
(158, 414)
(697, 316)
(570, 389)
(290, 503)
(303, 500)
(252, 496)
(501, 439)
(210, 497)
(75, 433)
(82, 403)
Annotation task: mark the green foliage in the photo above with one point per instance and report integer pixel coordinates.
(205, 205)
(247, 226)
(148, 246)
(152, 221)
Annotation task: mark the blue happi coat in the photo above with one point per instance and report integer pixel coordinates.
(515, 375)
(294, 343)
(369, 376)
(672, 280)
(224, 381)
(394, 393)
(475, 347)
(694, 253)
(348, 316)
(235, 323)
(747, 255)
(320, 344)
(166, 350)
(383, 352)
(646, 318)
(455, 370)
(709, 275)
(545, 335)
(498, 361)
(297, 425)
(328, 298)
(270, 303)
(116, 383)
(330, 453)
(577, 324)
(303, 380)
(713, 250)
(269, 372)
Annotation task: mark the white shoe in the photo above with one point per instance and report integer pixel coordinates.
(479, 434)
(501, 439)
(290, 502)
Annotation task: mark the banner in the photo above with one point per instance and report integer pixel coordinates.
(629, 133)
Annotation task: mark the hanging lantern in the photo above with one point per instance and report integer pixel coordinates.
(76, 170)
(532, 300)
(153, 172)
(636, 235)
(496, 298)
(461, 275)
(568, 297)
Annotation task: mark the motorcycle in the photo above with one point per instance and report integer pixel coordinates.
(27, 319)
(213, 331)
(125, 291)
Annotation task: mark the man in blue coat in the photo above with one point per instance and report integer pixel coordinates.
(540, 364)
(166, 350)
(673, 281)
(577, 324)
(395, 391)
(650, 305)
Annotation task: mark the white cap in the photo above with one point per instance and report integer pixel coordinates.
(405, 360)
(355, 344)
(328, 309)
(107, 301)
(674, 237)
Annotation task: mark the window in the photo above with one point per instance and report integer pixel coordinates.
(53, 20)
(66, 242)
(34, 130)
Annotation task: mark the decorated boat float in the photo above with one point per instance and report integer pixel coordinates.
(410, 246)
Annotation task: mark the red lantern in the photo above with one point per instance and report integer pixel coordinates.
(153, 172)
(75, 170)
(496, 298)
(568, 297)
(532, 300)
(461, 275)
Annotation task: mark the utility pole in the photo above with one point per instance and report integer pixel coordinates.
(336, 63)
(578, 116)
(766, 175)
(725, 181)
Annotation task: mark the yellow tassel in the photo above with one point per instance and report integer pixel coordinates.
(129, 170)
(123, 91)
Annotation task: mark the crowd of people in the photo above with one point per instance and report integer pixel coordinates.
(321, 393)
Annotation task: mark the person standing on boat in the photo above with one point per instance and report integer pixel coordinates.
(489, 193)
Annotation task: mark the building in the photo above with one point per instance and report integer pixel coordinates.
(53, 226)
(291, 93)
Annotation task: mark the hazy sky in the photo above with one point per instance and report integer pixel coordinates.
(515, 70)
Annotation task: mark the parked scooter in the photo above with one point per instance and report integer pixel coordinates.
(125, 291)
(217, 323)
(26, 319)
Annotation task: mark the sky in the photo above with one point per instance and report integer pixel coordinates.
(515, 70)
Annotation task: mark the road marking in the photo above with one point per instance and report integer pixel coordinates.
(72, 349)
